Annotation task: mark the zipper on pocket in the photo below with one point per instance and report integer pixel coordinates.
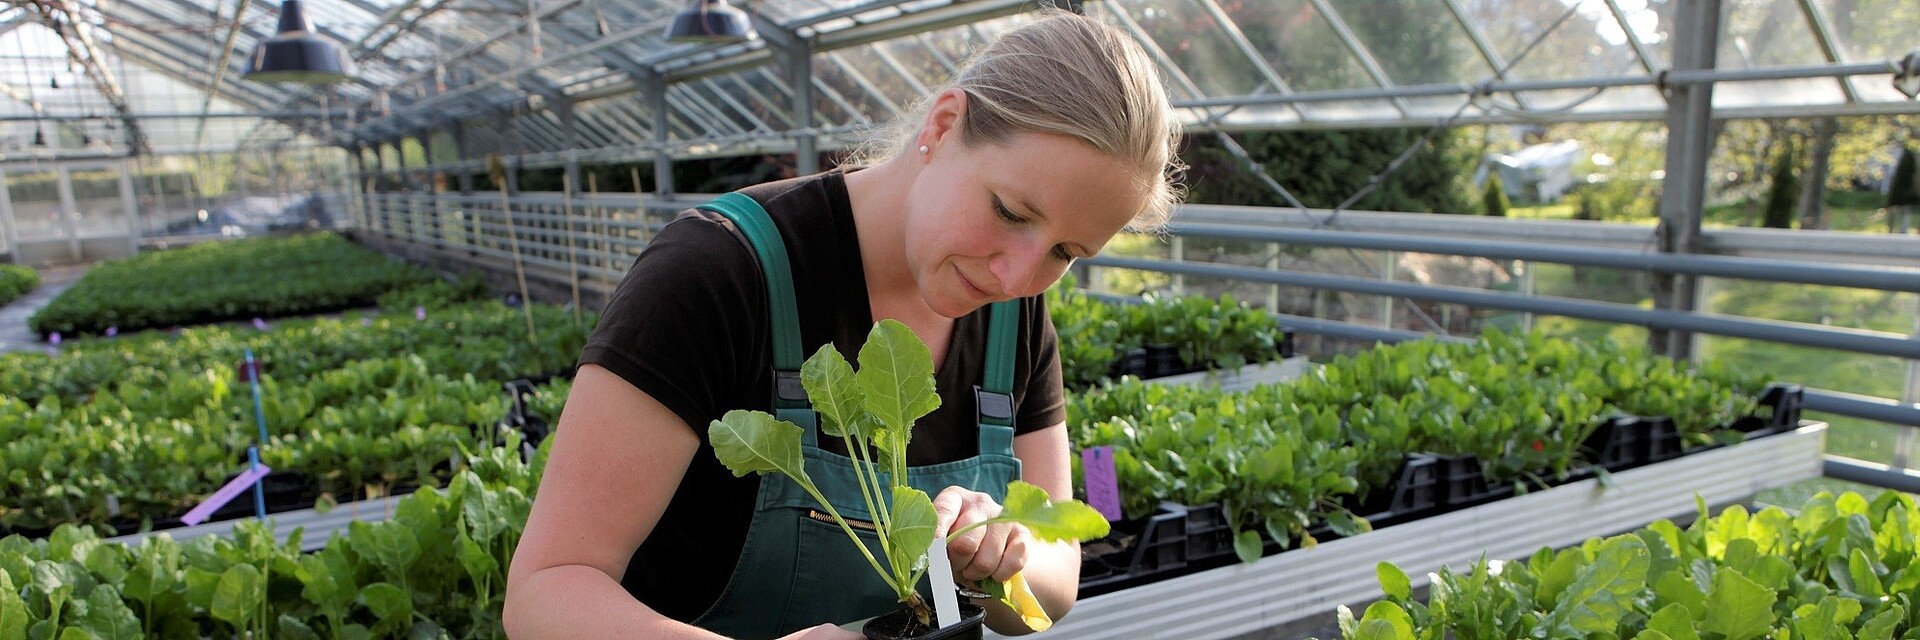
(857, 524)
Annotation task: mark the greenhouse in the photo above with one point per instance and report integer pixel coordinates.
(1194, 319)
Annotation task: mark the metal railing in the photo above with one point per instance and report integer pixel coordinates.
(609, 230)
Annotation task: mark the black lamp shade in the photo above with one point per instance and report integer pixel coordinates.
(710, 21)
(296, 54)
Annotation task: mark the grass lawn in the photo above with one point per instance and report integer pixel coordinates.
(1846, 211)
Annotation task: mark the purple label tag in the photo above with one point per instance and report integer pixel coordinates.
(259, 324)
(55, 338)
(225, 495)
(113, 331)
(419, 313)
(366, 321)
(1103, 490)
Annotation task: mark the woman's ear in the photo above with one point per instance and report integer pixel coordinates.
(943, 119)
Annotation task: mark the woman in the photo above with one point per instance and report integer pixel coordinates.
(1045, 145)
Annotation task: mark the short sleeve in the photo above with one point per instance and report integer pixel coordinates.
(678, 327)
(1045, 402)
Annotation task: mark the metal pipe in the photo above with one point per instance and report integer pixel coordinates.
(1672, 78)
(1828, 338)
(1854, 405)
(1694, 264)
(1868, 473)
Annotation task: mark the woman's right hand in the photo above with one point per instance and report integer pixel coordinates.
(823, 632)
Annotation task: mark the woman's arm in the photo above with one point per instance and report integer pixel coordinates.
(617, 459)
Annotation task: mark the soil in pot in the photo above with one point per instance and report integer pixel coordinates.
(900, 624)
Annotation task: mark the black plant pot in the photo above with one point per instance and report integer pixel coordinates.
(901, 625)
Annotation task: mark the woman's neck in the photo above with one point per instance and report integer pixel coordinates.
(878, 195)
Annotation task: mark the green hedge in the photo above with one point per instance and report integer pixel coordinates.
(216, 281)
(15, 281)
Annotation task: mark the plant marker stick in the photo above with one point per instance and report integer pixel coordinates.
(1103, 490)
(946, 602)
(226, 494)
(260, 420)
(259, 483)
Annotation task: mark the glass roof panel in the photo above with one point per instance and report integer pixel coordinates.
(1300, 45)
(1873, 29)
(1766, 33)
(872, 74)
(1415, 41)
(1193, 41)
(1588, 44)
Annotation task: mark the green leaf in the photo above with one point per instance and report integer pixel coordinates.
(239, 594)
(292, 628)
(909, 530)
(1393, 581)
(1738, 608)
(754, 442)
(1828, 620)
(1674, 622)
(387, 601)
(829, 381)
(108, 617)
(1602, 593)
(478, 562)
(1247, 545)
(1048, 521)
(1385, 620)
(896, 377)
(1865, 581)
(1560, 573)
(1881, 627)
(13, 610)
(1649, 634)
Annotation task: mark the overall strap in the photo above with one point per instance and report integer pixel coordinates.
(994, 398)
(789, 397)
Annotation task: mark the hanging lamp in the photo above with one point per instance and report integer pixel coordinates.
(297, 54)
(710, 22)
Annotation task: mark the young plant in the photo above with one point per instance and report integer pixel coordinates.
(873, 411)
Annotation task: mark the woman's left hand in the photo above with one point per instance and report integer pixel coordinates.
(996, 550)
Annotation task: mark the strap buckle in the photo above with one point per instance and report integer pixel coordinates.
(993, 406)
(787, 387)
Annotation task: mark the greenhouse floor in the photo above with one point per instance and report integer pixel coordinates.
(14, 334)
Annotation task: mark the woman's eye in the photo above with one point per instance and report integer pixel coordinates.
(1005, 213)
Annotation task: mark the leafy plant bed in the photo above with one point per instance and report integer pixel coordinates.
(436, 569)
(153, 422)
(1157, 336)
(216, 281)
(1839, 567)
(1501, 416)
(1180, 539)
(1242, 598)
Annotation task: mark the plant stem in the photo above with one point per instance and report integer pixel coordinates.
(869, 485)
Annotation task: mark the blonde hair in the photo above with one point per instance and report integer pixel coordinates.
(1068, 75)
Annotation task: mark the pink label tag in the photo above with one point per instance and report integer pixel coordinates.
(259, 324)
(225, 495)
(1103, 490)
(419, 313)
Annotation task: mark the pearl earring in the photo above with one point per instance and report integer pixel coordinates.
(923, 149)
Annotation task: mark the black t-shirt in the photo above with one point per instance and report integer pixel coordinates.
(689, 326)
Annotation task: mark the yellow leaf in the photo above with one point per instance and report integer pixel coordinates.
(1020, 599)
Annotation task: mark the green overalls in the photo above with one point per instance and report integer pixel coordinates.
(797, 568)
